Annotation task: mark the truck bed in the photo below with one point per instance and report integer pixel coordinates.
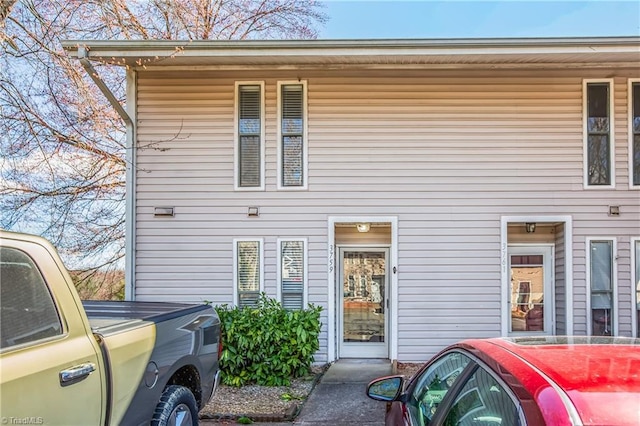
(112, 316)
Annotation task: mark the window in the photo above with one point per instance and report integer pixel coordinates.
(634, 132)
(27, 310)
(598, 134)
(293, 273)
(483, 400)
(249, 153)
(248, 279)
(601, 279)
(635, 247)
(292, 135)
(432, 386)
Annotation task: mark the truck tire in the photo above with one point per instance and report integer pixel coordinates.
(177, 407)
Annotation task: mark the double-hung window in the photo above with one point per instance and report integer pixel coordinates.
(249, 150)
(601, 279)
(598, 134)
(292, 135)
(248, 278)
(634, 133)
(292, 273)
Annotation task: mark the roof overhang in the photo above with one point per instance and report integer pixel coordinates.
(441, 53)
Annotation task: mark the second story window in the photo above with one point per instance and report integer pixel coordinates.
(250, 136)
(598, 128)
(292, 145)
(634, 132)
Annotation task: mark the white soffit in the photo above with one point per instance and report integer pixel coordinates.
(606, 51)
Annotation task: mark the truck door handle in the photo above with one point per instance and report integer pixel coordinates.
(75, 374)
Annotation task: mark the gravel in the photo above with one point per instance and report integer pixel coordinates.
(272, 403)
(261, 403)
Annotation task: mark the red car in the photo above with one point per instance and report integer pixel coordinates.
(522, 381)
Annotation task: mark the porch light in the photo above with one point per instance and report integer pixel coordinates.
(363, 227)
(530, 227)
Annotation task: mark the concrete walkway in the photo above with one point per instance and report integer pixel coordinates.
(339, 398)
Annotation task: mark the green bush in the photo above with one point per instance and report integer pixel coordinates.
(267, 345)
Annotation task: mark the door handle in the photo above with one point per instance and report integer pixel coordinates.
(75, 374)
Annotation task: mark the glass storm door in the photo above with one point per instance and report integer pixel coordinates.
(531, 297)
(363, 303)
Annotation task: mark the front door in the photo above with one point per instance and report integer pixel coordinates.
(531, 292)
(363, 288)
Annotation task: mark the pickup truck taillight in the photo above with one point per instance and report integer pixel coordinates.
(220, 349)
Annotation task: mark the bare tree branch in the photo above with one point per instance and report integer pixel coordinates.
(63, 166)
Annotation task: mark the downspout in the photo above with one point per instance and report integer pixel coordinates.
(83, 57)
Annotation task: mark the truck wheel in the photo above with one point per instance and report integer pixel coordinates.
(177, 407)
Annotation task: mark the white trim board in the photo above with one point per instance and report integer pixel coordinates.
(235, 265)
(305, 269)
(548, 251)
(615, 309)
(236, 136)
(504, 265)
(585, 134)
(305, 137)
(332, 257)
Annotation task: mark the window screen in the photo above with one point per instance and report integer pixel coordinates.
(598, 134)
(27, 310)
(248, 272)
(292, 135)
(601, 278)
(249, 133)
(292, 263)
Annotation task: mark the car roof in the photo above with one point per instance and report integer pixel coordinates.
(600, 375)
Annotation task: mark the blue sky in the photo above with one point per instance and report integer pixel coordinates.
(472, 19)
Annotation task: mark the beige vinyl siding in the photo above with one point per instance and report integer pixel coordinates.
(560, 284)
(447, 152)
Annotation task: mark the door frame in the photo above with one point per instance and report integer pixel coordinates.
(341, 249)
(332, 302)
(505, 277)
(548, 252)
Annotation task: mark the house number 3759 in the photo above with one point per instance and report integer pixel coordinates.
(331, 256)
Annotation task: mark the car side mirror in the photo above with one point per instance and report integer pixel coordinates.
(386, 388)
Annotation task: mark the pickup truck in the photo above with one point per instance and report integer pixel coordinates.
(66, 362)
